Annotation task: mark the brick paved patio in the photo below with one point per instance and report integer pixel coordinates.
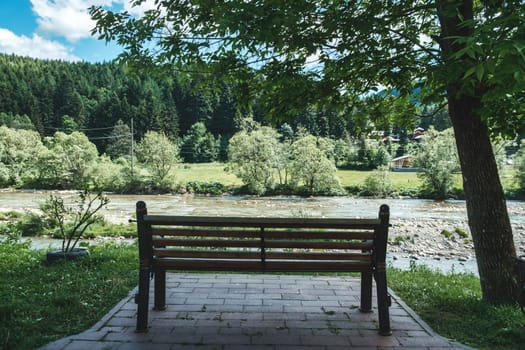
(257, 312)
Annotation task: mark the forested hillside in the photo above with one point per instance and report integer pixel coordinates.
(92, 98)
(69, 125)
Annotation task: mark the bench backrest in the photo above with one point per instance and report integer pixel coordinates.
(262, 244)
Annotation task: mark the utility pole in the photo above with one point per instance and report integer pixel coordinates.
(132, 155)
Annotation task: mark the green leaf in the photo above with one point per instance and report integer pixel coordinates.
(469, 72)
(480, 72)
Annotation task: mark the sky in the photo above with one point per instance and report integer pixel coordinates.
(57, 29)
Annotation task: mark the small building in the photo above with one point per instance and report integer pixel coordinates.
(403, 163)
(419, 134)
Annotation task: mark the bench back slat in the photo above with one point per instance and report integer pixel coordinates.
(252, 243)
(217, 221)
(233, 232)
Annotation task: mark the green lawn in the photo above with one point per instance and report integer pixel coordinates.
(216, 172)
(206, 172)
(357, 177)
(452, 306)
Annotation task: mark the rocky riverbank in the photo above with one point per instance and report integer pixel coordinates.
(439, 239)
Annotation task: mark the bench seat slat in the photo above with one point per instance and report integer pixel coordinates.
(233, 233)
(257, 265)
(199, 254)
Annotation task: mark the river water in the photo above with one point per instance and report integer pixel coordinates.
(121, 208)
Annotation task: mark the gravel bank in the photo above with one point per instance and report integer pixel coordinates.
(440, 239)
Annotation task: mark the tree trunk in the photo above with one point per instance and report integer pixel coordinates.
(486, 207)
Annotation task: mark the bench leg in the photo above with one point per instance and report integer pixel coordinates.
(383, 302)
(160, 290)
(142, 300)
(366, 292)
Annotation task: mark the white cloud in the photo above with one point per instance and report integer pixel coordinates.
(66, 18)
(70, 19)
(34, 46)
(138, 11)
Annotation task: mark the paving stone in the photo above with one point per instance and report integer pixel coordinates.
(326, 340)
(140, 346)
(375, 340)
(299, 347)
(84, 344)
(418, 341)
(280, 340)
(227, 339)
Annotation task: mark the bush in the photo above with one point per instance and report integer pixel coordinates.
(254, 157)
(31, 224)
(461, 233)
(400, 239)
(312, 171)
(206, 187)
(72, 219)
(378, 184)
(9, 232)
(437, 161)
(446, 233)
(23, 224)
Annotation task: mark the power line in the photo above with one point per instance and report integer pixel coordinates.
(95, 129)
(86, 129)
(110, 137)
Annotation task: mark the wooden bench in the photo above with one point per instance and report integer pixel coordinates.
(261, 245)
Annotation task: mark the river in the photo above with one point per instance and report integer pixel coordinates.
(121, 208)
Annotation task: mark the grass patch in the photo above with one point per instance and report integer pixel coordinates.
(350, 178)
(452, 306)
(42, 303)
(206, 172)
(400, 239)
(105, 229)
(214, 172)
(446, 233)
(461, 233)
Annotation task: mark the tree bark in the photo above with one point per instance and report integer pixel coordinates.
(486, 206)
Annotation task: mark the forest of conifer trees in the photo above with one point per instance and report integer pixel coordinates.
(92, 98)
